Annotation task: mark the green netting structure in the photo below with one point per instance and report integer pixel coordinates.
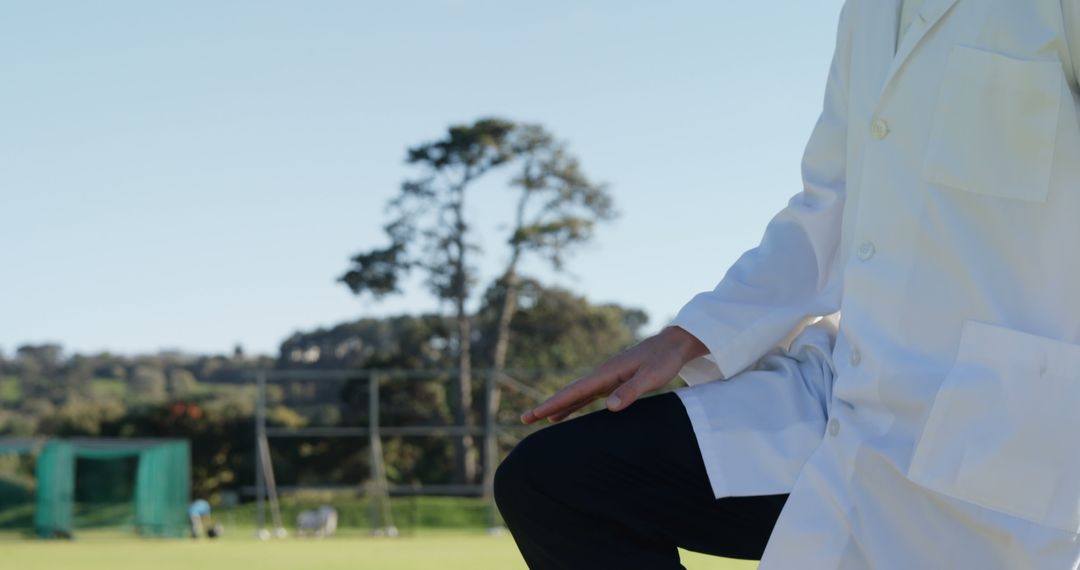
(149, 478)
(16, 484)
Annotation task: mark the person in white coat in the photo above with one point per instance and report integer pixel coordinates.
(928, 417)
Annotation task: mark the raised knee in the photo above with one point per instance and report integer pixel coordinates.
(515, 478)
(505, 484)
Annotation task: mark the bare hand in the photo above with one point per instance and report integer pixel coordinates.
(647, 366)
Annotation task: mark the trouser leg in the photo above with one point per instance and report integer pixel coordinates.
(624, 490)
(196, 526)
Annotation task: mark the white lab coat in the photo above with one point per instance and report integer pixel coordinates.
(939, 426)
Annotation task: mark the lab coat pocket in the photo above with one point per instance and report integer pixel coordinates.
(995, 125)
(1001, 431)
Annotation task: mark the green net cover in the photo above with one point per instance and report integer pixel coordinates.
(162, 490)
(54, 511)
(17, 484)
(161, 483)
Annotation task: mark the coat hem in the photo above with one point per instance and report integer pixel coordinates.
(699, 420)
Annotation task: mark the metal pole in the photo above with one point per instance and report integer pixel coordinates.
(373, 460)
(491, 450)
(379, 489)
(271, 487)
(260, 433)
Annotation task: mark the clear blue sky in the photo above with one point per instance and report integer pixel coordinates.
(190, 175)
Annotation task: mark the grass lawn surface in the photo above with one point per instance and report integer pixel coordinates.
(423, 551)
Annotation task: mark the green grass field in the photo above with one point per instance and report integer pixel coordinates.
(429, 550)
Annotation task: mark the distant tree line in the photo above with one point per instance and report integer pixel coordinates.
(209, 399)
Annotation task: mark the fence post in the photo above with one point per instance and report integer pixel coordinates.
(491, 450)
(379, 492)
(260, 431)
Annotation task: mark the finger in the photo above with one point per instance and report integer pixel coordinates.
(596, 383)
(643, 381)
(565, 399)
(558, 417)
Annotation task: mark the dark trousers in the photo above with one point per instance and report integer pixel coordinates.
(623, 490)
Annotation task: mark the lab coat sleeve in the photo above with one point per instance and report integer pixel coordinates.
(1071, 10)
(792, 276)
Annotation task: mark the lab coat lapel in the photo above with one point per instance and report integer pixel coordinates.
(878, 35)
(929, 15)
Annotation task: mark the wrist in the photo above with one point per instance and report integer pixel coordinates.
(685, 344)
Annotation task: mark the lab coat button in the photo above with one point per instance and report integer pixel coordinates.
(880, 129)
(855, 357)
(834, 427)
(866, 250)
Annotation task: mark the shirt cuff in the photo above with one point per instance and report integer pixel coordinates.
(728, 348)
